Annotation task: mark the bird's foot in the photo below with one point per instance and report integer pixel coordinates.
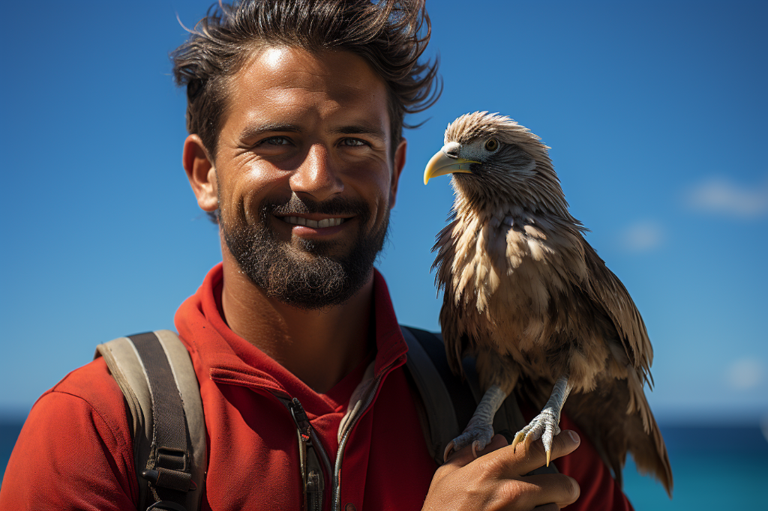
(544, 426)
(478, 435)
(479, 431)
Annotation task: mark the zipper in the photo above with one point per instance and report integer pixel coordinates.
(314, 463)
(312, 473)
(365, 401)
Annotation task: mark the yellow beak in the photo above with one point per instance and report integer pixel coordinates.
(441, 164)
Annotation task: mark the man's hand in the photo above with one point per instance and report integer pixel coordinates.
(497, 480)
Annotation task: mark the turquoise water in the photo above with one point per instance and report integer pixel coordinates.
(715, 469)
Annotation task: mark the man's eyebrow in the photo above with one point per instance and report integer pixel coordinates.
(361, 129)
(257, 130)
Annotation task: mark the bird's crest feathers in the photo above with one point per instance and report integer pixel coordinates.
(469, 127)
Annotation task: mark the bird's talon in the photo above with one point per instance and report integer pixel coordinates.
(530, 437)
(448, 451)
(519, 437)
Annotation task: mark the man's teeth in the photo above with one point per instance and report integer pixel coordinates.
(325, 222)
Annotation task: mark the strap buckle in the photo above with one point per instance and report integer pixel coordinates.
(171, 471)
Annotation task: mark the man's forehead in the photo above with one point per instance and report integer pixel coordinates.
(288, 66)
(286, 84)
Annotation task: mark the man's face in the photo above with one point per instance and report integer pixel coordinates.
(304, 175)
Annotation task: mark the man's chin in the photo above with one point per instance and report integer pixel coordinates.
(310, 250)
(305, 272)
(309, 282)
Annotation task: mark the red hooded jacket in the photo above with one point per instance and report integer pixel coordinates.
(75, 450)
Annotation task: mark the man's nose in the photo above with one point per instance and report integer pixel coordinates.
(318, 176)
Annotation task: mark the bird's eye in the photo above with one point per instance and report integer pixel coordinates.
(491, 145)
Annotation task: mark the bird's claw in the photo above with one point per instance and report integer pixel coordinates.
(544, 426)
(448, 450)
(477, 446)
(478, 436)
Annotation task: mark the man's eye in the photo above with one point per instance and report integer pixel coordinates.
(275, 141)
(353, 142)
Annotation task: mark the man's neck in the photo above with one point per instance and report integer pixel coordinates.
(319, 347)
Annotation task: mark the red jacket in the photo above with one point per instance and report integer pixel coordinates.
(75, 450)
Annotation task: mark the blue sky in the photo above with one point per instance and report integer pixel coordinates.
(655, 114)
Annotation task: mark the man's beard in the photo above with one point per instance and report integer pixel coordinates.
(314, 282)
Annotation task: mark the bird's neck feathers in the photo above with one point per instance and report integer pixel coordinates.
(536, 192)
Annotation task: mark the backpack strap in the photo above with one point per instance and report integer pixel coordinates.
(445, 401)
(442, 400)
(155, 373)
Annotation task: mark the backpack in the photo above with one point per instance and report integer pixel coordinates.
(155, 374)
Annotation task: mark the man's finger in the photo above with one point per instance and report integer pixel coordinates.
(527, 458)
(465, 456)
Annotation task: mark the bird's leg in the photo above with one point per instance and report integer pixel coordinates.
(546, 424)
(479, 431)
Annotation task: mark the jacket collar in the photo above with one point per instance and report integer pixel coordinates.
(224, 357)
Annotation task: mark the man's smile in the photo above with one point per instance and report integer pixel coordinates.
(315, 224)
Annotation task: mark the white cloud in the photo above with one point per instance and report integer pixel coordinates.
(745, 374)
(642, 237)
(719, 195)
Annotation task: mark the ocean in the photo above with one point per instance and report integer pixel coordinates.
(715, 468)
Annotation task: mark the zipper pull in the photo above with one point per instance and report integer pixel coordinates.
(311, 474)
(301, 420)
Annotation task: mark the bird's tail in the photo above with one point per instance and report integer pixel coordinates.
(603, 415)
(650, 453)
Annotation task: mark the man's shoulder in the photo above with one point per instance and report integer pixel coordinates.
(84, 403)
(92, 379)
(96, 389)
(80, 429)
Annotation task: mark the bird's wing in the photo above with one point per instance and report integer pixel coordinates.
(607, 291)
(446, 249)
(641, 434)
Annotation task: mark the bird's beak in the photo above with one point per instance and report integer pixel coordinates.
(441, 164)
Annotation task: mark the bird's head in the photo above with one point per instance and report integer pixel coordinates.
(492, 158)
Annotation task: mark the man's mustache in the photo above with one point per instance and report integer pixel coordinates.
(305, 206)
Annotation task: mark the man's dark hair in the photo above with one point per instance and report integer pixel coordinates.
(390, 35)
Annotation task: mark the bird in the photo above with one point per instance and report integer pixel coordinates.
(530, 299)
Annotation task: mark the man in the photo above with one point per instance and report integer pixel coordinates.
(295, 113)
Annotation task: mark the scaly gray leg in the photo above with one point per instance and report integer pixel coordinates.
(479, 431)
(546, 424)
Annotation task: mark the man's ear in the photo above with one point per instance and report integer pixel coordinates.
(201, 173)
(399, 163)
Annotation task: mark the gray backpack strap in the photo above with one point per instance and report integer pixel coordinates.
(447, 401)
(436, 412)
(155, 373)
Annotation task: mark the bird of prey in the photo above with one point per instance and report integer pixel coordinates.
(529, 297)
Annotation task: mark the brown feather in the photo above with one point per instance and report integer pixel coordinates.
(527, 295)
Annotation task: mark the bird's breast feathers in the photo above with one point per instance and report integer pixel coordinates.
(508, 264)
